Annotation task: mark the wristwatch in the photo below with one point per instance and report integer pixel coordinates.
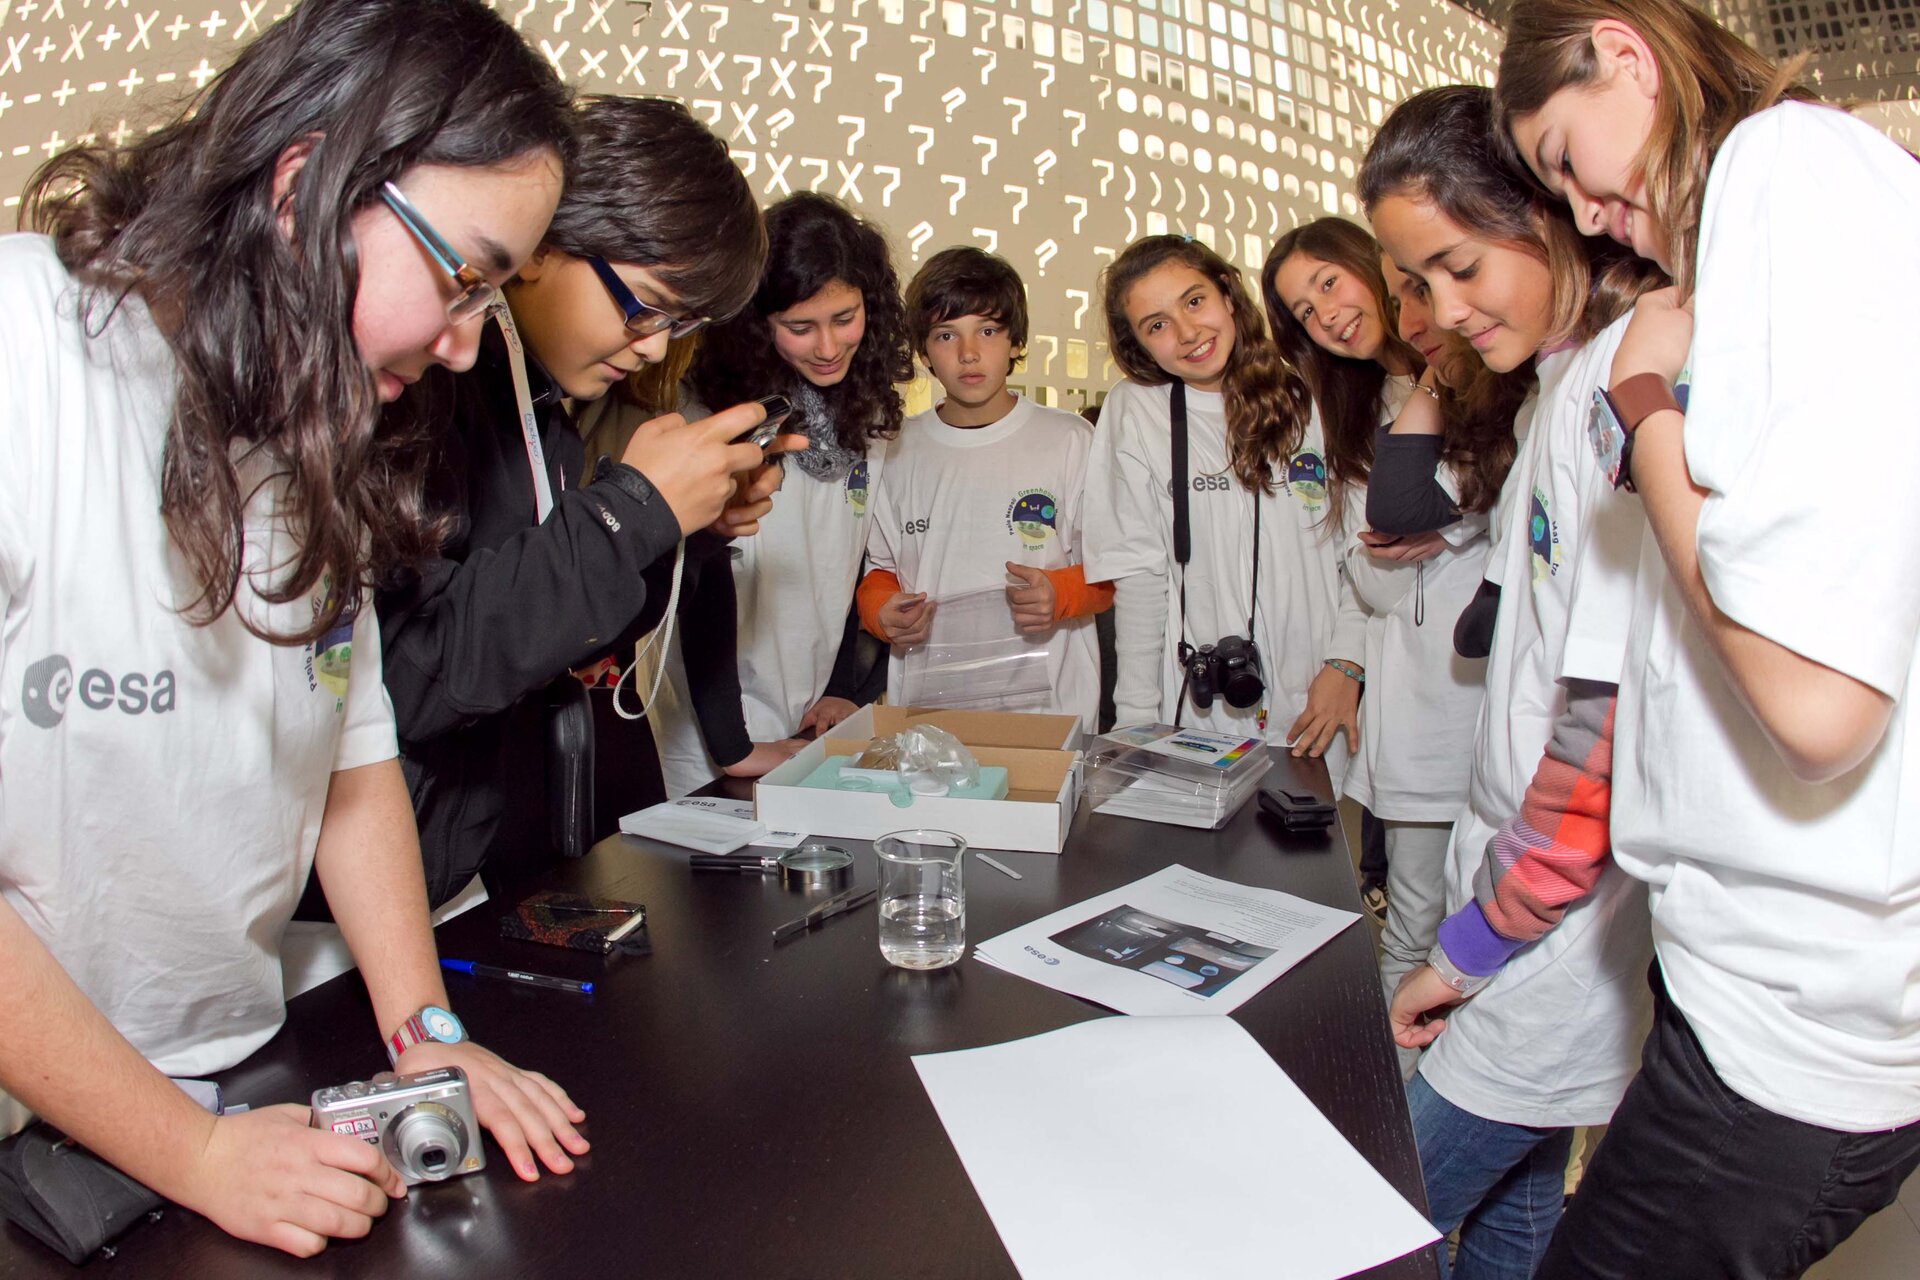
(430, 1023)
(1458, 981)
(1617, 412)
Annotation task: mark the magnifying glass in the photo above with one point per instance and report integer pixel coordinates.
(809, 866)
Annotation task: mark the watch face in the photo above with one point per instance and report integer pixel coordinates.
(442, 1026)
(1605, 434)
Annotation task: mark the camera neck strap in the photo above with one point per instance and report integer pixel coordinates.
(1183, 523)
(529, 420)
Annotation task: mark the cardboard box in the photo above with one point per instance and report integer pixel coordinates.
(1037, 751)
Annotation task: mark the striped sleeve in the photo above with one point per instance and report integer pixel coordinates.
(1549, 855)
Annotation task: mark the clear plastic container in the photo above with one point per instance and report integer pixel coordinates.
(975, 657)
(1161, 774)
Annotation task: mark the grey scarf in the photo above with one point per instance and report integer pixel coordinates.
(824, 458)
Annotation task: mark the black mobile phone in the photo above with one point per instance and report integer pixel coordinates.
(779, 409)
(1297, 810)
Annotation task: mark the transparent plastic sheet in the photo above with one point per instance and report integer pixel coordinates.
(975, 657)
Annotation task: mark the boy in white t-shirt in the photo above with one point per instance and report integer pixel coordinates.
(982, 494)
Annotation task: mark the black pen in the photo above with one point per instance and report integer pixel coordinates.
(732, 862)
(515, 975)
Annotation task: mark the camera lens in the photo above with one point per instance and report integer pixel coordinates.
(427, 1142)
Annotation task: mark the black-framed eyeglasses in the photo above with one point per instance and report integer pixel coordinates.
(477, 293)
(642, 320)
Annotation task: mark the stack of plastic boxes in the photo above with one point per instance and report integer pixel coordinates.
(1183, 776)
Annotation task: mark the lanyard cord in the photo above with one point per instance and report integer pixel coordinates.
(529, 423)
(662, 635)
(1183, 534)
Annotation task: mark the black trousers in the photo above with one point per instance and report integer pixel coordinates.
(1695, 1182)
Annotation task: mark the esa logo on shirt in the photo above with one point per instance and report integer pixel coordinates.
(49, 685)
(857, 488)
(1307, 480)
(1543, 536)
(330, 658)
(1034, 515)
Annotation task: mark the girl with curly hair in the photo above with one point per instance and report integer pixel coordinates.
(826, 329)
(1258, 565)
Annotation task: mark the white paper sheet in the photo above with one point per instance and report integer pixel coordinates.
(1174, 943)
(1161, 1147)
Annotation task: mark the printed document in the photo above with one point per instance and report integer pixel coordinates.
(1175, 943)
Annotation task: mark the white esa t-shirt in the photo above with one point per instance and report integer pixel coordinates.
(1421, 698)
(960, 503)
(793, 583)
(161, 783)
(1787, 914)
(1555, 1037)
(1128, 530)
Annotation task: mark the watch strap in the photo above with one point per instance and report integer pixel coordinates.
(414, 1031)
(1457, 979)
(1638, 398)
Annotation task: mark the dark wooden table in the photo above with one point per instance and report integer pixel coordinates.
(754, 1111)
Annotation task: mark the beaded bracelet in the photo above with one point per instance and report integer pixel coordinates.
(1348, 670)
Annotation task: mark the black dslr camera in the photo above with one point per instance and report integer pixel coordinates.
(1229, 670)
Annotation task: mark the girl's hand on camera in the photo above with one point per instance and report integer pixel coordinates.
(527, 1114)
(266, 1176)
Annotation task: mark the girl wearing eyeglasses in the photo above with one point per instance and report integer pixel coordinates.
(539, 573)
(197, 489)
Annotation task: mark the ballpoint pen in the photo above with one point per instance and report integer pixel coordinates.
(836, 905)
(517, 975)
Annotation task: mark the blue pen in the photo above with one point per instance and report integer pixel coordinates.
(515, 975)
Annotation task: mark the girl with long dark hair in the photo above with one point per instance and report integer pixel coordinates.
(1180, 320)
(826, 329)
(198, 494)
(1765, 786)
(1548, 1042)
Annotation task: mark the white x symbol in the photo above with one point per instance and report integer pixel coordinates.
(777, 168)
(677, 17)
(709, 70)
(632, 68)
(782, 79)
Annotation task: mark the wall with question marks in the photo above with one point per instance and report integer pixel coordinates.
(1050, 131)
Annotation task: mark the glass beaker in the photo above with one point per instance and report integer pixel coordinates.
(923, 907)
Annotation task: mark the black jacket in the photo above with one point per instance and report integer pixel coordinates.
(473, 640)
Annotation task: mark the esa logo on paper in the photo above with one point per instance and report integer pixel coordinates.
(1044, 957)
(49, 685)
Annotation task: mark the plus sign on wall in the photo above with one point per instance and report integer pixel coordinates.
(1050, 131)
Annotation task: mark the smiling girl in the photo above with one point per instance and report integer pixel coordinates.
(1180, 319)
(1549, 1043)
(1766, 786)
(826, 329)
(1327, 301)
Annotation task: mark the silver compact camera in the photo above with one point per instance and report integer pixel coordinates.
(422, 1123)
